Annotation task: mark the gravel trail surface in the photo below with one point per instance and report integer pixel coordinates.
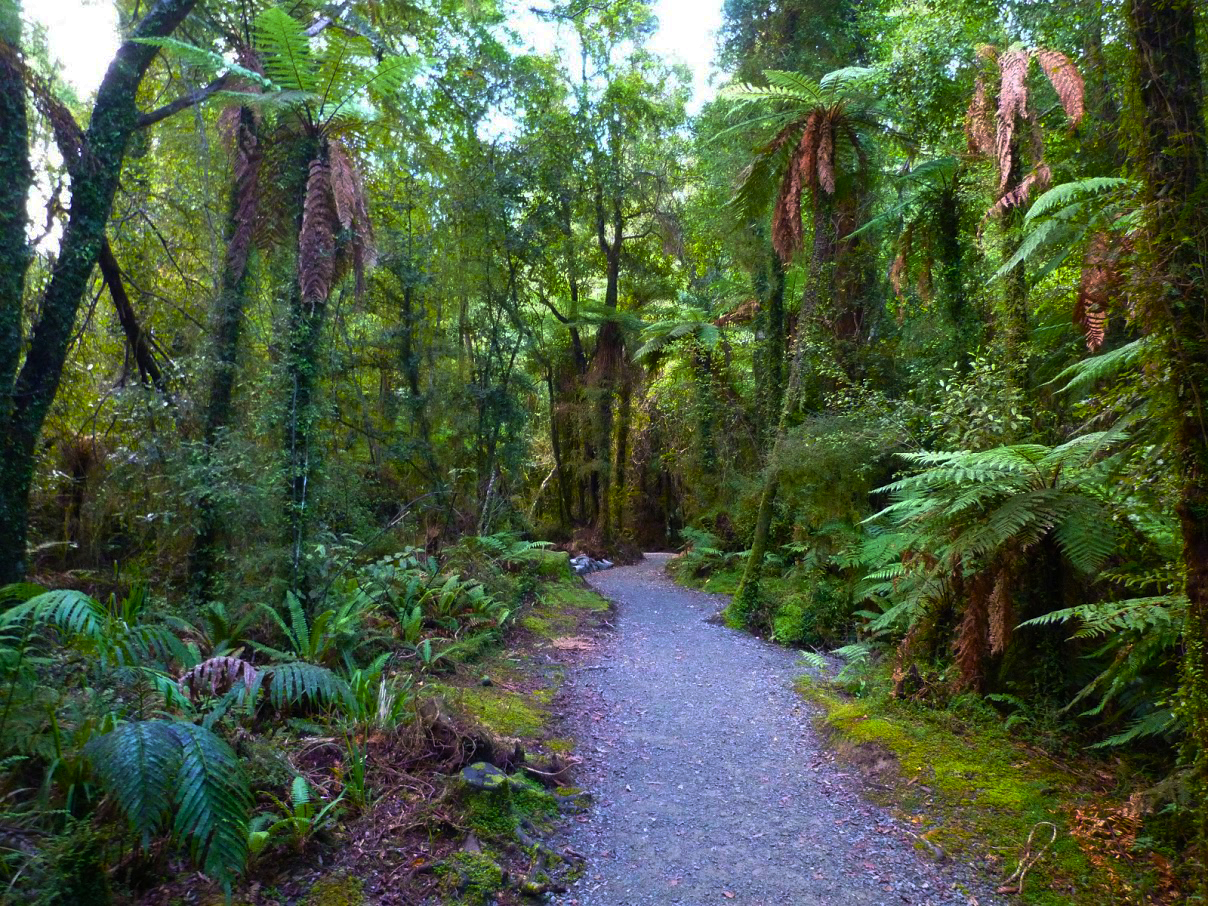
(709, 784)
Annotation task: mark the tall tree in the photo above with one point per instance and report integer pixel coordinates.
(818, 139)
(1173, 161)
(27, 389)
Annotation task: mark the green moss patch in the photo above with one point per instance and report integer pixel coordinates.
(573, 595)
(495, 814)
(470, 878)
(499, 710)
(975, 793)
(549, 564)
(336, 890)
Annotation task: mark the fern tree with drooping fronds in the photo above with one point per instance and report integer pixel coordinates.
(966, 525)
(817, 150)
(1002, 123)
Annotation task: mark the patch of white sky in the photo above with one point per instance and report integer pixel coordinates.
(82, 35)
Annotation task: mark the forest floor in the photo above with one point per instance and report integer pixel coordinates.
(709, 780)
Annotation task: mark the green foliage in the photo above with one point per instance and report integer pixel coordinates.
(330, 636)
(114, 632)
(819, 617)
(305, 684)
(177, 777)
(295, 822)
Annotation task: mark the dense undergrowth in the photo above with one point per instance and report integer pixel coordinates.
(309, 308)
(142, 740)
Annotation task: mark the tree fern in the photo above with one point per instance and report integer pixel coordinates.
(159, 767)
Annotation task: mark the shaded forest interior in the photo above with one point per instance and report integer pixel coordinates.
(325, 327)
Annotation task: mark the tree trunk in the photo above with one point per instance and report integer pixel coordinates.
(94, 179)
(966, 328)
(817, 290)
(770, 331)
(555, 440)
(14, 159)
(606, 367)
(234, 288)
(137, 339)
(302, 367)
(620, 472)
(1174, 165)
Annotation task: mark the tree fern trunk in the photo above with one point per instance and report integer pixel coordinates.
(1174, 164)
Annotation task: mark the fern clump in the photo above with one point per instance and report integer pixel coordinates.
(180, 778)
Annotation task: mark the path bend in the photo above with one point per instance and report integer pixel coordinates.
(709, 784)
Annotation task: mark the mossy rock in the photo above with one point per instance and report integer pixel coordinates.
(495, 810)
(336, 890)
(572, 595)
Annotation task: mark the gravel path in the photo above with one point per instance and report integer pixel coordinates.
(709, 784)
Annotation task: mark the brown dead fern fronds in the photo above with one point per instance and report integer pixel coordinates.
(317, 240)
(217, 676)
(1099, 284)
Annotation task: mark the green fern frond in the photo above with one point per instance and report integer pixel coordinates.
(299, 793)
(800, 85)
(1034, 240)
(1162, 722)
(208, 60)
(847, 79)
(286, 52)
(212, 801)
(1083, 375)
(1077, 190)
(266, 101)
(1135, 615)
(139, 763)
(64, 608)
(297, 682)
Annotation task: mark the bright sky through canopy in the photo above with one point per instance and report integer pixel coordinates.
(83, 37)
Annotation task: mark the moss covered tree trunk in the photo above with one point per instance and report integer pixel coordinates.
(306, 311)
(606, 365)
(818, 289)
(1173, 161)
(620, 470)
(14, 262)
(26, 395)
(231, 303)
(770, 332)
